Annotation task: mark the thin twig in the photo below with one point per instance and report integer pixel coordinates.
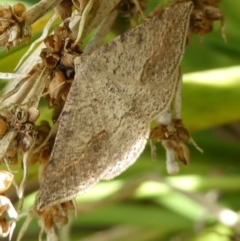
(38, 10)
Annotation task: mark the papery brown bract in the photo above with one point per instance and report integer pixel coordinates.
(172, 137)
(3, 127)
(6, 208)
(12, 31)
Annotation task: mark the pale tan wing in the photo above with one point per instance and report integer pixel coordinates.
(92, 128)
(103, 126)
(147, 58)
(148, 80)
(74, 164)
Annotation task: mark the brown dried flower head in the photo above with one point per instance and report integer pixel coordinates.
(203, 15)
(3, 127)
(58, 56)
(21, 120)
(173, 137)
(55, 216)
(12, 31)
(6, 224)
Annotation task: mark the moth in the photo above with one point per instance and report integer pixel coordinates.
(117, 91)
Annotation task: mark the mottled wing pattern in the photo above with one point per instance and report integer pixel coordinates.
(147, 82)
(87, 137)
(117, 91)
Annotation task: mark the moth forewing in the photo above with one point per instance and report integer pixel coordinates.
(116, 93)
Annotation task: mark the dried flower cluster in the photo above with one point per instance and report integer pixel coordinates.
(172, 137)
(203, 16)
(21, 120)
(58, 57)
(7, 225)
(12, 29)
(55, 216)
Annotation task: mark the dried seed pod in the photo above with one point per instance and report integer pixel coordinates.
(55, 215)
(158, 133)
(26, 137)
(11, 153)
(21, 115)
(64, 9)
(43, 153)
(51, 60)
(172, 137)
(62, 32)
(12, 31)
(53, 43)
(19, 11)
(3, 127)
(33, 114)
(56, 87)
(181, 152)
(6, 179)
(181, 130)
(67, 59)
(4, 227)
(3, 208)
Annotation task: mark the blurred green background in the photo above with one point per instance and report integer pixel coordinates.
(202, 202)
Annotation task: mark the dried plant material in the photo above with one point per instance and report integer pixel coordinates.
(16, 21)
(21, 132)
(171, 165)
(172, 134)
(3, 127)
(7, 225)
(82, 23)
(172, 137)
(6, 179)
(40, 39)
(96, 15)
(11, 19)
(4, 227)
(64, 9)
(204, 13)
(58, 57)
(203, 16)
(80, 4)
(39, 9)
(10, 155)
(55, 215)
(56, 88)
(11, 75)
(49, 218)
(5, 142)
(109, 96)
